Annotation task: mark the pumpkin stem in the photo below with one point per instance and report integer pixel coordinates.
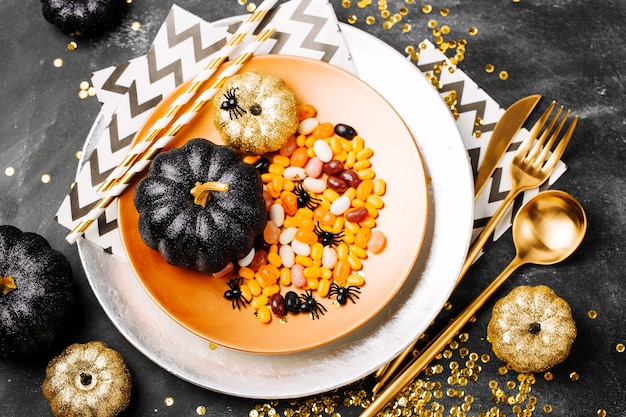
(202, 191)
(534, 328)
(7, 284)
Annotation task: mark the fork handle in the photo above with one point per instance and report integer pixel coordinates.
(487, 231)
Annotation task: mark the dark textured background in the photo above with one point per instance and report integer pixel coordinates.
(569, 50)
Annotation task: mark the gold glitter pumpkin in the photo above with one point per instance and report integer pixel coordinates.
(531, 329)
(88, 380)
(255, 112)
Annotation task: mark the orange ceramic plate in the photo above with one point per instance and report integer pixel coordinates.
(196, 301)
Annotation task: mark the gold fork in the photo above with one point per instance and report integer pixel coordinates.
(532, 165)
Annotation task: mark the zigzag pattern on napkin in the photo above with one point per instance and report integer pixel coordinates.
(474, 104)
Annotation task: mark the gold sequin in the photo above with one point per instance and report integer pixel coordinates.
(58, 62)
(548, 376)
(489, 68)
(473, 31)
(212, 346)
(503, 75)
(9, 171)
(46, 178)
(352, 19)
(601, 413)
(574, 376)
(427, 8)
(135, 26)
(168, 401)
(72, 46)
(592, 314)
(346, 4)
(78, 154)
(620, 348)
(201, 410)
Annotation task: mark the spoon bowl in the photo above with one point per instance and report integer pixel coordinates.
(546, 230)
(549, 228)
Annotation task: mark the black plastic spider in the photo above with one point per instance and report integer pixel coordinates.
(304, 198)
(234, 294)
(344, 293)
(231, 104)
(327, 238)
(310, 304)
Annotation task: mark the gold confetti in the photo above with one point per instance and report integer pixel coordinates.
(444, 12)
(168, 401)
(548, 376)
(346, 4)
(427, 8)
(473, 31)
(72, 46)
(58, 62)
(84, 85)
(547, 408)
(504, 75)
(135, 26)
(83, 94)
(201, 410)
(78, 154)
(352, 19)
(251, 7)
(574, 376)
(370, 20)
(9, 171)
(45, 178)
(592, 314)
(620, 348)
(212, 346)
(601, 413)
(489, 68)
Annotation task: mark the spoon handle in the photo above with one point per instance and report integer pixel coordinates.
(438, 343)
(487, 231)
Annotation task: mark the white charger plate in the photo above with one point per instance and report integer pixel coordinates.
(355, 356)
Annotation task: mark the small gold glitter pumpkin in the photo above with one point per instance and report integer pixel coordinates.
(531, 329)
(88, 380)
(255, 112)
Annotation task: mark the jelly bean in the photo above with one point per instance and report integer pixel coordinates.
(260, 258)
(290, 203)
(314, 167)
(364, 153)
(324, 217)
(323, 131)
(315, 185)
(305, 111)
(356, 215)
(304, 260)
(259, 301)
(255, 288)
(323, 288)
(337, 184)
(355, 280)
(295, 173)
(271, 233)
(297, 276)
(340, 205)
(268, 200)
(380, 187)
(362, 237)
(287, 256)
(312, 272)
(341, 272)
(345, 131)
(289, 146)
(306, 236)
(230, 267)
(277, 214)
(263, 314)
(358, 252)
(246, 260)
(292, 301)
(329, 257)
(306, 126)
(285, 276)
(278, 305)
(245, 292)
(300, 248)
(246, 273)
(274, 259)
(377, 241)
(262, 164)
(351, 177)
(299, 157)
(277, 169)
(366, 174)
(322, 150)
(287, 235)
(333, 167)
(317, 251)
(364, 189)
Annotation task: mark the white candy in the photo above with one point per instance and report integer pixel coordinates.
(277, 214)
(307, 125)
(294, 173)
(247, 260)
(287, 235)
(287, 256)
(329, 257)
(300, 248)
(322, 150)
(316, 185)
(340, 205)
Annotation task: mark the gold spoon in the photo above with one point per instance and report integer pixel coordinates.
(546, 230)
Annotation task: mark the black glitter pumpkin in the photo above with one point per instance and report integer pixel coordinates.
(83, 17)
(187, 228)
(36, 294)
